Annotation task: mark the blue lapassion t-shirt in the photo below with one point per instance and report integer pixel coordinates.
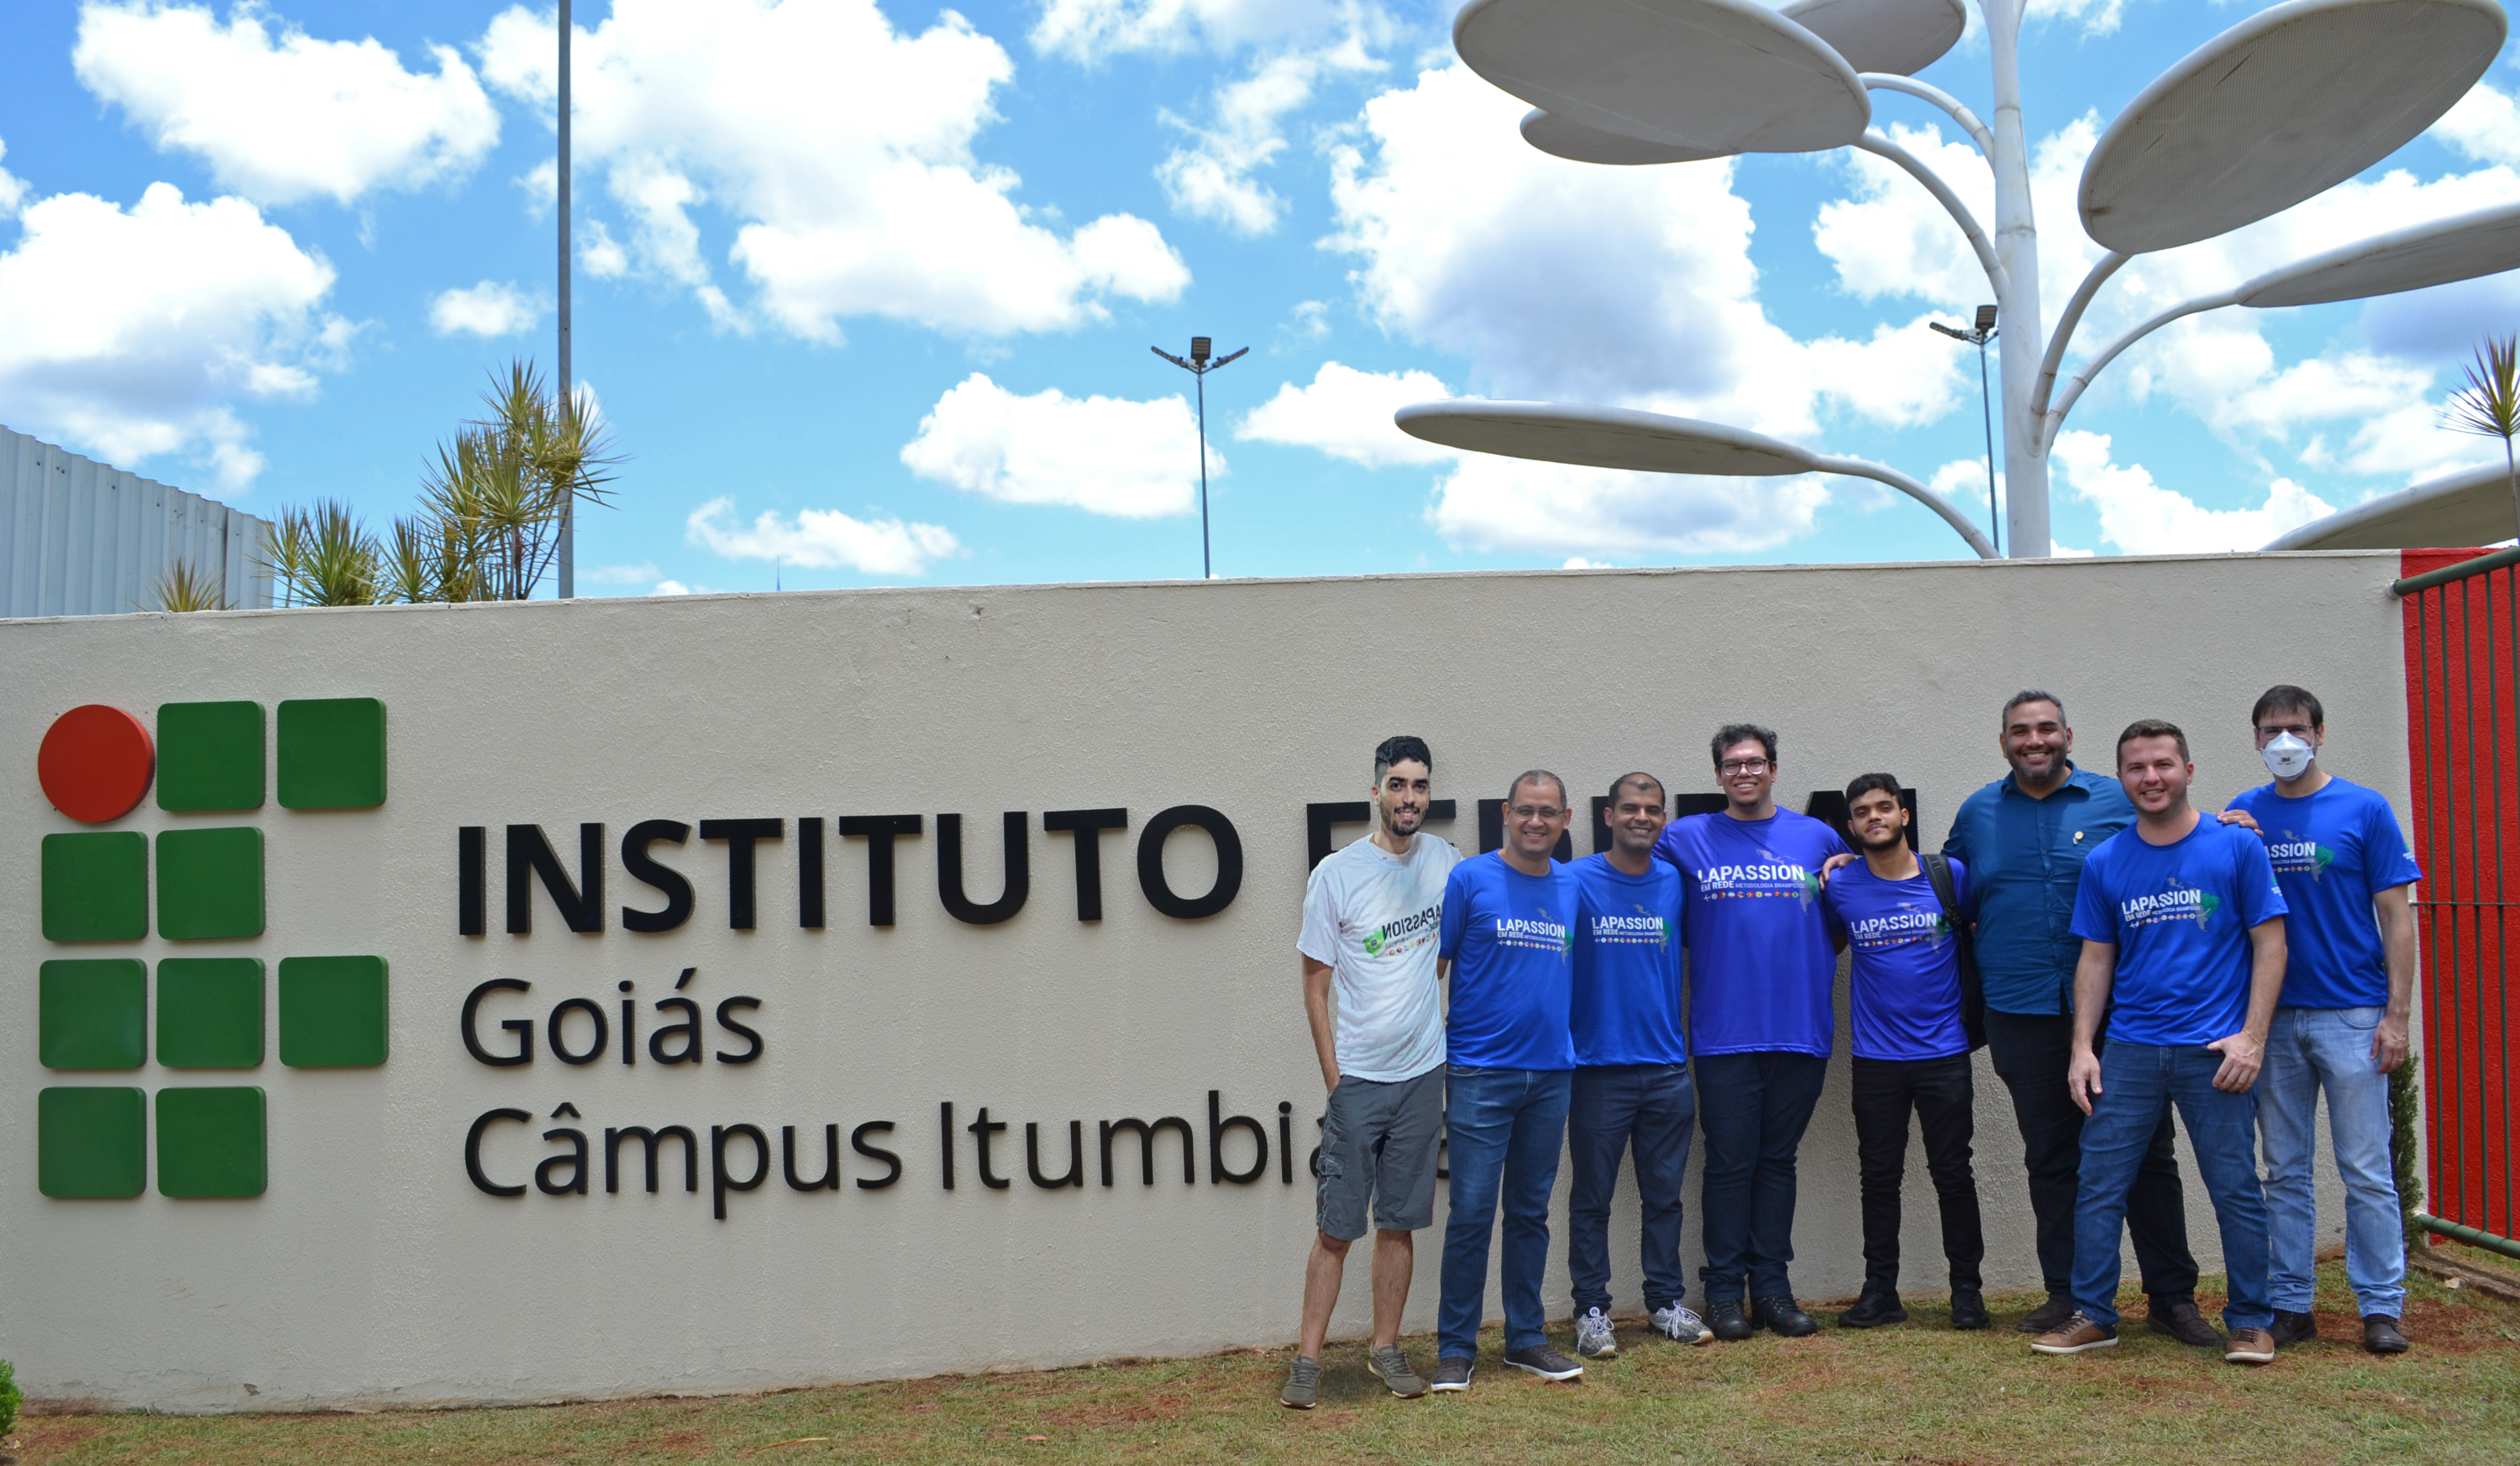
(1627, 964)
(1510, 938)
(1761, 961)
(1904, 970)
(2333, 851)
(2181, 916)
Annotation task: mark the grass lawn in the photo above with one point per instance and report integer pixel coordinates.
(1919, 1393)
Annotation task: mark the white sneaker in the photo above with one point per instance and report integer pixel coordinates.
(1679, 1323)
(1593, 1339)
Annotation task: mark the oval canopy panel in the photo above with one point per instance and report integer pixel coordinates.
(1602, 438)
(1554, 135)
(2287, 104)
(1713, 76)
(2483, 243)
(1901, 37)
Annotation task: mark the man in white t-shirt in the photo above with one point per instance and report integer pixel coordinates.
(1373, 919)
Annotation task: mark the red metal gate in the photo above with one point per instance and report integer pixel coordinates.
(2462, 629)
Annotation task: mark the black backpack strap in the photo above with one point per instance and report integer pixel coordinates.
(1938, 870)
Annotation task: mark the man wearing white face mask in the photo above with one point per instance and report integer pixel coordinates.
(2349, 981)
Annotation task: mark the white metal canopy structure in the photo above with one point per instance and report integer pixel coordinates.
(2471, 507)
(1650, 442)
(2278, 109)
(1895, 36)
(1722, 77)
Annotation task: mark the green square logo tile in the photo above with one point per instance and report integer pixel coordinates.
(210, 1012)
(209, 883)
(332, 1012)
(210, 755)
(91, 1142)
(96, 885)
(211, 1141)
(332, 753)
(93, 1014)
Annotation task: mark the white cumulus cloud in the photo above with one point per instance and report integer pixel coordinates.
(489, 309)
(133, 332)
(1347, 414)
(2142, 518)
(822, 539)
(1108, 455)
(1519, 507)
(278, 114)
(840, 151)
(1091, 30)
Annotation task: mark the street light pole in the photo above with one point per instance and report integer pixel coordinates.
(1198, 365)
(567, 382)
(1979, 337)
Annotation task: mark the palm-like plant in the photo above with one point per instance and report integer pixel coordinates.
(498, 493)
(181, 587)
(2489, 404)
(323, 557)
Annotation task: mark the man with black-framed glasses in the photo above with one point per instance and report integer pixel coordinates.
(1762, 973)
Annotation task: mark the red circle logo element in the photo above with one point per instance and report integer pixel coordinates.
(95, 762)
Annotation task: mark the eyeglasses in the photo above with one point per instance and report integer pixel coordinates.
(2301, 731)
(1534, 811)
(1742, 766)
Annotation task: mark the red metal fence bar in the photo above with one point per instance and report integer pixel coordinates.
(2461, 612)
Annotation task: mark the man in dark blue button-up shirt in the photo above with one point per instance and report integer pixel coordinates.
(2023, 839)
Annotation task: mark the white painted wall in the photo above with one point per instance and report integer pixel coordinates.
(372, 1271)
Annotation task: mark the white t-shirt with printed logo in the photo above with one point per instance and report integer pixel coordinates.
(1375, 920)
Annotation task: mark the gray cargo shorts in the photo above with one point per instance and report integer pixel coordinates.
(1378, 1142)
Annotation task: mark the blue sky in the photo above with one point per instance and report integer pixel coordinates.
(866, 291)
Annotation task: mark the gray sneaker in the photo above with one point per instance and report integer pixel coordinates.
(1389, 1365)
(1303, 1384)
(1453, 1375)
(1677, 1322)
(1594, 1338)
(1546, 1362)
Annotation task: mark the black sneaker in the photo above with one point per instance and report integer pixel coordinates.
(2381, 1335)
(2294, 1328)
(1784, 1317)
(2039, 1321)
(2182, 1321)
(1453, 1375)
(1968, 1310)
(1873, 1309)
(1546, 1362)
(1724, 1315)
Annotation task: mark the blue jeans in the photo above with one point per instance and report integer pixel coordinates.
(2307, 1049)
(1650, 1108)
(2138, 1084)
(1754, 1109)
(1503, 1129)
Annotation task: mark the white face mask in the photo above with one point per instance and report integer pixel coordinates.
(2287, 756)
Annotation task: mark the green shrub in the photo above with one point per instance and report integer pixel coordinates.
(9, 1398)
(2406, 1111)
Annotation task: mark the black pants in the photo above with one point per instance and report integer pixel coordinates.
(1942, 1095)
(2030, 1053)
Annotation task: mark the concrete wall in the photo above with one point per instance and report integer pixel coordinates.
(373, 1271)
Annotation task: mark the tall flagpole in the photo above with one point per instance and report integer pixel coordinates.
(567, 382)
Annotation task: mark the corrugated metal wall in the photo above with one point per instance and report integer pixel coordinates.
(78, 538)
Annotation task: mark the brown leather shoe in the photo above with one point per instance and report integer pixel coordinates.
(2182, 1321)
(2250, 1346)
(2380, 1335)
(2075, 1335)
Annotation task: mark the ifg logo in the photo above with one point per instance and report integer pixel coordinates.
(94, 1010)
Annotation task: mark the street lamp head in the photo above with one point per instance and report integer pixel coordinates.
(1953, 332)
(1985, 319)
(1201, 348)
